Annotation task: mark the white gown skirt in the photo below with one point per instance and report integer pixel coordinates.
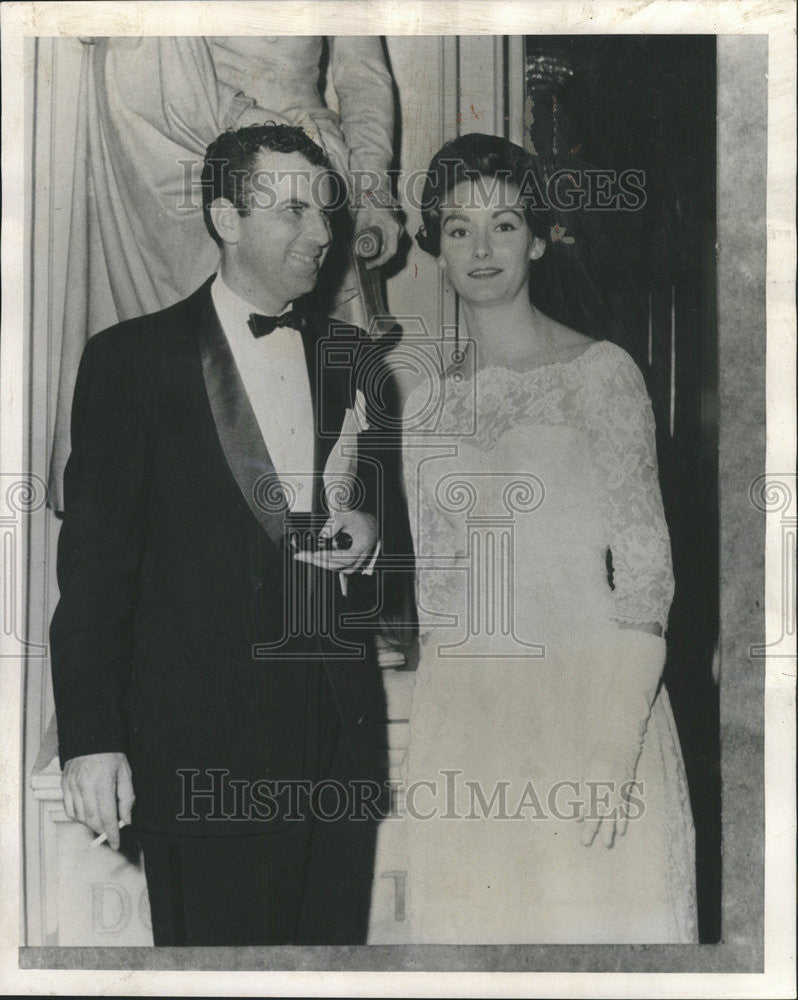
(495, 845)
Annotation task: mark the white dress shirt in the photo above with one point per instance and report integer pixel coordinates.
(275, 377)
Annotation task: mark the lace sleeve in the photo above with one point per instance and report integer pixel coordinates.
(621, 427)
(439, 539)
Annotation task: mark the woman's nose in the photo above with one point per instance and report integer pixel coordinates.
(482, 247)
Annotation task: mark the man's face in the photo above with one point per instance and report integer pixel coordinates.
(282, 243)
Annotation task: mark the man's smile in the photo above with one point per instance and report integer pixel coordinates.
(305, 258)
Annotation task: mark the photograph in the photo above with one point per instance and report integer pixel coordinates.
(399, 505)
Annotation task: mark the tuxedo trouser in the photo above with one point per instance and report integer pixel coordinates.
(337, 899)
(308, 883)
(218, 890)
(242, 889)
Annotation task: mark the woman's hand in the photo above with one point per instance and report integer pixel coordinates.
(626, 675)
(607, 784)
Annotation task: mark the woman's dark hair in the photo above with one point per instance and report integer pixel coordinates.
(232, 157)
(471, 157)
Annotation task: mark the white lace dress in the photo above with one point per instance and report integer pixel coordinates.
(518, 485)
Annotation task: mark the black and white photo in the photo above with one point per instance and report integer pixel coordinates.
(399, 517)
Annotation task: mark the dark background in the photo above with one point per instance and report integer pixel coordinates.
(646, 280)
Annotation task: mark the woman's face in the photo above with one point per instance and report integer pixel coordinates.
(485, 241)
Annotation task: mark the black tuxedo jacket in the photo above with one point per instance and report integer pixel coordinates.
(174, 572)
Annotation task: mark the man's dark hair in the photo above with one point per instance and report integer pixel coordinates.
(232, 157)
(472, 157)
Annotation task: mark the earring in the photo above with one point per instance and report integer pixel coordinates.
(537, 249)
(441, 263)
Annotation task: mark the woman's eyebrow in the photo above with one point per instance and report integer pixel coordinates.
(456, 215)
(460, 216)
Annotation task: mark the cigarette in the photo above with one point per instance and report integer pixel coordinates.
(102, 838)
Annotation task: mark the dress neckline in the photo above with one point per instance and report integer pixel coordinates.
(553, 364)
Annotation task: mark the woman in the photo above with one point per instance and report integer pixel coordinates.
(545, 791)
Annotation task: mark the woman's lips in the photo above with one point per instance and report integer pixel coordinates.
(485, 272)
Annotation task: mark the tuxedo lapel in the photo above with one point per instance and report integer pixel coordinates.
(328, 385)
(239, 434)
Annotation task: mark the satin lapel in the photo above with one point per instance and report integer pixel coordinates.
(328, 393)
(238, 431)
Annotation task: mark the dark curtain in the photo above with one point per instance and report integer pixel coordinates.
(643, 276)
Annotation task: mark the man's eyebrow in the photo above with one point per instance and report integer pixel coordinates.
(300, 203)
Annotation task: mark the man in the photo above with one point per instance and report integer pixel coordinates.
(147, 110)
(180, 679)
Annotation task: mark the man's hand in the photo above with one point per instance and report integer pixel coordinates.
(98, 791)
(382, 217)
(361, 528)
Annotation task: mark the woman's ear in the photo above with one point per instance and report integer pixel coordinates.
(226, 220)
(537, 249)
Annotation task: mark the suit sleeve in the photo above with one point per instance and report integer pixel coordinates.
(374, 391)
(99, 554)
(380, 471)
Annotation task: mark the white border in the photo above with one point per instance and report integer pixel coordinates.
(777, 20)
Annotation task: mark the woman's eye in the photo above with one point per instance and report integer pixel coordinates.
(458, 232)
(506, 227)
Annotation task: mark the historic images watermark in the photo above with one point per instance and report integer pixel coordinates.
(563, 190)
(213, 794)
(775, 494)
(23, 495)
(477, 568)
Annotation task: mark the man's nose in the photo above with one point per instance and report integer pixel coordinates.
(319, 229)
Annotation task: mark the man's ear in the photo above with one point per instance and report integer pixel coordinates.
(537, 249)
(226, 220)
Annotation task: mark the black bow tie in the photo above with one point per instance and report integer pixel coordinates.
(262, 325)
